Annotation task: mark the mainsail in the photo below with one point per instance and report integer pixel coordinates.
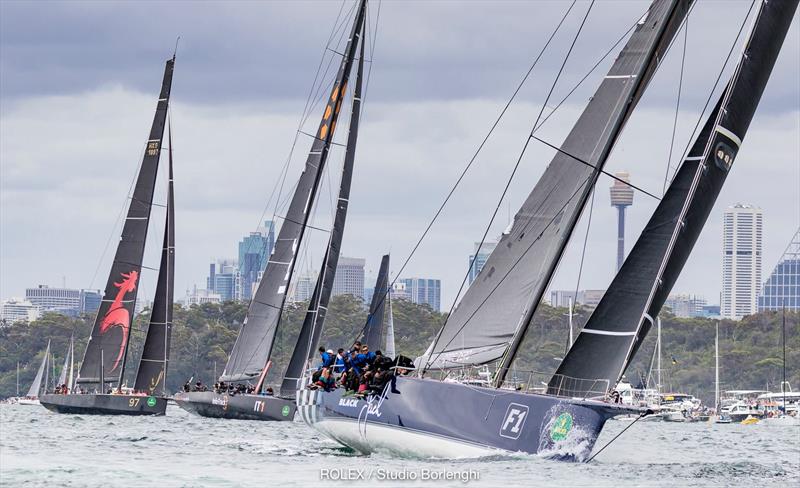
(108, 343)
(314, 320)
(622, 319)
(36, 386)
(492, 317)
(373, 330)
(253, 346)
(152, 373)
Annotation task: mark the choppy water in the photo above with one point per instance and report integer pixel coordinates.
(39, 448)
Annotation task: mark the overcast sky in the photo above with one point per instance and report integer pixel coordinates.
(79, 81)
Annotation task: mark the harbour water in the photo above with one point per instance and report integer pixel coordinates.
(39, 448)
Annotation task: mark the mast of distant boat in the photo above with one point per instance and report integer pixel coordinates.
(783, 340)
(716, 372)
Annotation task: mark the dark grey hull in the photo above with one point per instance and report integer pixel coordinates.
(239, 407)
(101, 404)
(430, 418)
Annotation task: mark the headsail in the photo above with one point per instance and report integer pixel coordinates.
(491, 319)
(373, 330)
(62, 376)
(311, 330)
(152, 374)
(254, 344)
(109, 340)
(389, 351)
(619, 324)
(36, 386)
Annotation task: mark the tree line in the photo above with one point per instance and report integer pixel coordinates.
(203, 335)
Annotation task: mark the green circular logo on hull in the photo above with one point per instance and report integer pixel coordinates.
(561, 427)
(285, 410)
(151, 401)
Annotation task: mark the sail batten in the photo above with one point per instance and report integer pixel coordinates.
(314, 320)
(492, 317)
(640, 288)
(253, 346)
(108, 343)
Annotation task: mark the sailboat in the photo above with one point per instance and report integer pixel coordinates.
(105, 358)
(67, 370)
(784, 418)
(250, 359)
(422, 416)
(35, 391)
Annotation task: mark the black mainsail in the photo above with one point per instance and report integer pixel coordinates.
(256, 338)
(622, 319)
(152, 374)
(311, 330)
(373, 330)
(495, 312)
(108, 344)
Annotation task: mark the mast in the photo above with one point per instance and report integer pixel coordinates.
(314, 320)
(622, 319)
(613, 103)
(114, 317)
(152, 373)
(716, 371)
(17, 379)
(70, 385)
(783, 341)
(658, 342)
(389, 352)
(253, 346)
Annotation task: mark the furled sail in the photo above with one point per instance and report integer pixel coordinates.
(311, 330)
(152, 374)
(373, 330)
(109, 340)
(494, 313)
(254, 344)
(622, 319)
(36, 386)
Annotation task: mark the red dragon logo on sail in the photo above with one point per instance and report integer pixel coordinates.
(118, 315)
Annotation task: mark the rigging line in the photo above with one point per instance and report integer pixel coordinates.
(478, 150)
(716, 83)
(129, 196)
(633, 26)
(640, 417)
(580, 268)
(616, 178)
(511, 177)
(279, 184)
(561, 69)
(677, 106)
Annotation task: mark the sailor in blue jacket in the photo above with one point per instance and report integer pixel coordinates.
(327, 358)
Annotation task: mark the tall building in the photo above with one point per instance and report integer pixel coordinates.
(303, 289)
(741, 260)
(478, 258)
(90, 300)
(782, 288)
(62, 300)
(399, 291)
(685, 306)
(223, 278)
(621, 197)
(424, 291)
(254, 252)
(349, 279)
(562, 298)
(587, 298)
(18, 310)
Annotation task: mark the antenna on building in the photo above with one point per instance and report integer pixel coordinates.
(621, 197)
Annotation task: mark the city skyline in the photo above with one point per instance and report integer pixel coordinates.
(219, 199)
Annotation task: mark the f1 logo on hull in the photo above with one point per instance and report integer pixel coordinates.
(514, 421)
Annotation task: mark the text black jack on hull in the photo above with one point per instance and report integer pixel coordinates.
(430, 418)
(101, 404)
(239, 406)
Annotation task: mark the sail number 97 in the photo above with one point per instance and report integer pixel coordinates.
(133, 402)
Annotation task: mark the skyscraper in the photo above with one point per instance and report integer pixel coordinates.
(61, 300)
(254, 251)
(782, 288)
(349, 279)
(621, 197)
(222, 278)
(424, 291)
(478, 259)
(741, 260)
